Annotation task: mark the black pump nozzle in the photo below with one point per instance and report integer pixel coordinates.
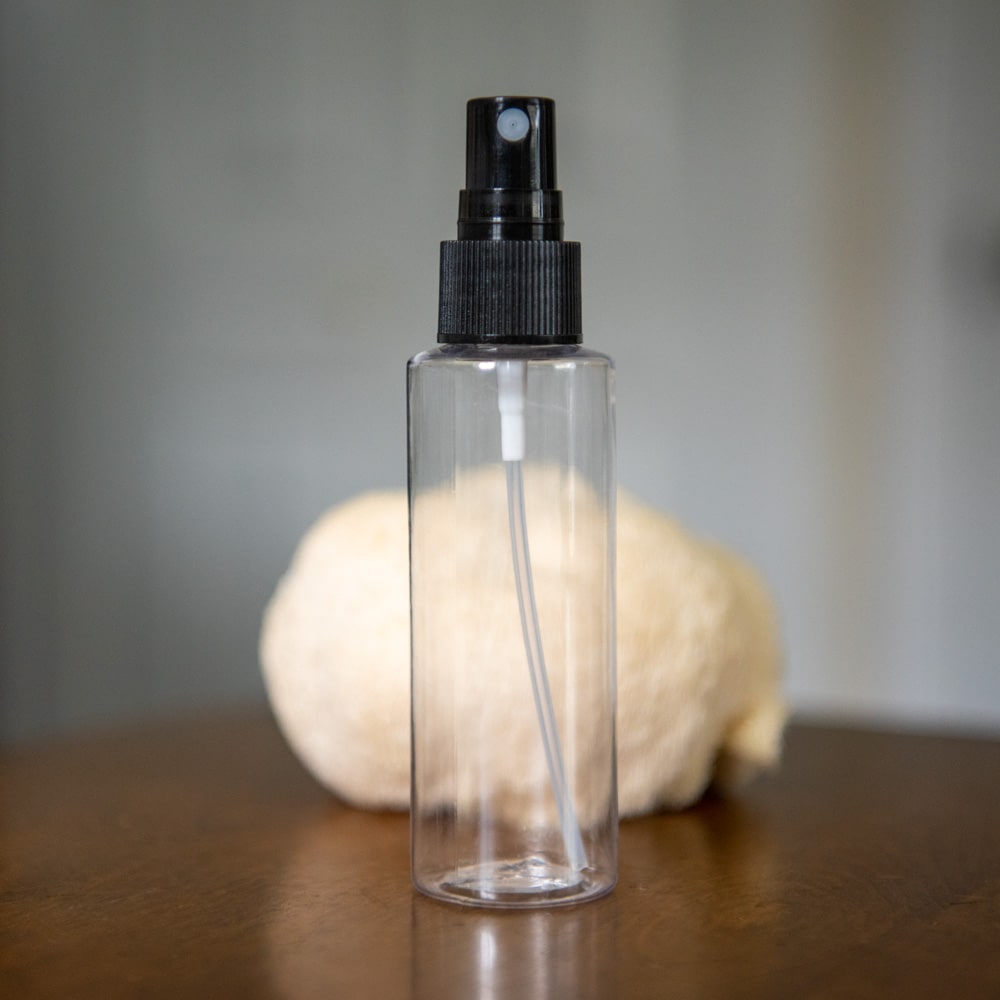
(510, 278)
(510, 171)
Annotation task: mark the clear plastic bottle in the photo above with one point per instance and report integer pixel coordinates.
(512, 522)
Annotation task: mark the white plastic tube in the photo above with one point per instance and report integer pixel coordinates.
(511, 383)
(512, 378)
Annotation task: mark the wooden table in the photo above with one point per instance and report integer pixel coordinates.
(199, 860)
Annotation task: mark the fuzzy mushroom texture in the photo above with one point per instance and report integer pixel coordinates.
(698, 654)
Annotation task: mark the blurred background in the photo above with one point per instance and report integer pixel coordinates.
(219, 225)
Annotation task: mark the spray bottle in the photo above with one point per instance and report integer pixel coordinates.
(512, 526)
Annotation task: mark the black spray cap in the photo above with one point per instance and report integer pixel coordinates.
(510, 171)
(509, 277)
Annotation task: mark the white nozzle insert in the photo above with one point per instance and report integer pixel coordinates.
(512, 377)
(513, 124)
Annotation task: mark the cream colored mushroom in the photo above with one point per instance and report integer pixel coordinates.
(699, 678)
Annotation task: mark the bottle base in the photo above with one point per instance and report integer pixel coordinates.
(531, 882)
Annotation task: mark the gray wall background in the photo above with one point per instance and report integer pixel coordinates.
(219, 227)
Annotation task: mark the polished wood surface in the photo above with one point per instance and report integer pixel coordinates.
(200, 860)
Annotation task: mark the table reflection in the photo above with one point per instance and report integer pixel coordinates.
(529, 954)
(325, 937)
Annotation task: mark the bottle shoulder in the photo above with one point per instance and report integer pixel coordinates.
(462, 354)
